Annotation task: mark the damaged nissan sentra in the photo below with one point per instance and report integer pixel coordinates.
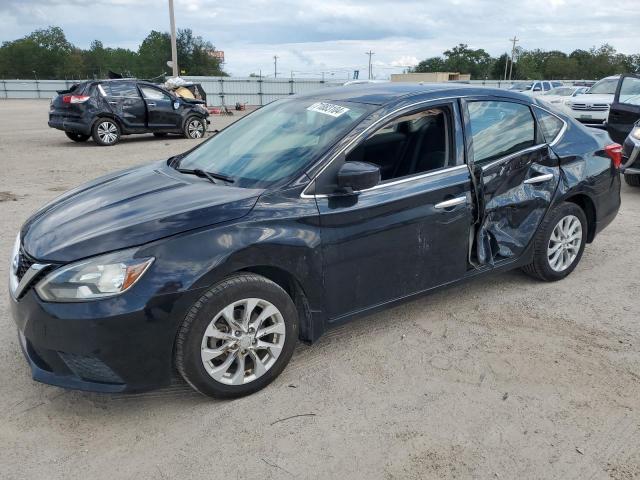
(307, 213)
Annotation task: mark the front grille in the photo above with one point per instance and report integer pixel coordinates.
(89, 368)
(588, 107)
(24, 263)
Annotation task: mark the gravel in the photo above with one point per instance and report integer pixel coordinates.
(504, 377)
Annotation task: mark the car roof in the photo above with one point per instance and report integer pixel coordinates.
(385, 93)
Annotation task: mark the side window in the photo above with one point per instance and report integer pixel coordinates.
(121, 89)
(499, 129)
(537, 87)
(630, 91)
(549, 124)
(154, 94)
(409, 145)
(545, 86)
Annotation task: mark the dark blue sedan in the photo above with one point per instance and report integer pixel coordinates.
(303, 215)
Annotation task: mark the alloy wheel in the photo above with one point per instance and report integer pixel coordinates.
(195, 129)
(564, 244)
(108, 132)
(243, 341)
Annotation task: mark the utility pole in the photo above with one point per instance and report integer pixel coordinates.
(174, 49)
(513, 52)
(275, 66)
(506, 64)
(370, 53)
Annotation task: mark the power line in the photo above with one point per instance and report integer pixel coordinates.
(370, 53)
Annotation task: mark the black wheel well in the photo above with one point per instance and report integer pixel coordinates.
(589, 209)
(294, 289)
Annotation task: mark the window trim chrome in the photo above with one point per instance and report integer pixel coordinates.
(365, 132)
(513, 155)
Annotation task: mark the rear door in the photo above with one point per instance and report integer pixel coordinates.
(161, 112)
(126, 103)
(516, 175)
(625, 109)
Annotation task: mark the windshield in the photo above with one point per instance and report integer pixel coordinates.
(275, 142)
(605, 87)
(521, 86)
(561, 91)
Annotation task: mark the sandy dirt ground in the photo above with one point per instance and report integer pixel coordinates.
(503, 378)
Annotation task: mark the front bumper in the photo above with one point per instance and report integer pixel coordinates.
(631, 156)
(124, 344)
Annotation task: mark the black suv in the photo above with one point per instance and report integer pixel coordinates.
(107, 109)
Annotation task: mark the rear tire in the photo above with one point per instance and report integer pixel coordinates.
(77, 137)
(222, 351)
(632, 180)
(106, 132)
(194, 128)
(559, 243)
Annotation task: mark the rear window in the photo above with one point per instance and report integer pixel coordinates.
(499, 129)
(121, 89)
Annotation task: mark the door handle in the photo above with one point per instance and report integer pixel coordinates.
(451, 203)
(151, 104)
(113, 103)
(539, 179)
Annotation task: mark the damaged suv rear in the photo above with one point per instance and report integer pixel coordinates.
(108, 109)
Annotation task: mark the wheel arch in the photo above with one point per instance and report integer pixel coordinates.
(587, 205)
(290, 284)
(108, 115)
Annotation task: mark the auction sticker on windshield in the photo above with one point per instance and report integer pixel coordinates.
(328, 109)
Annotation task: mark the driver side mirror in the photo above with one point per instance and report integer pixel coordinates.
(355, 176)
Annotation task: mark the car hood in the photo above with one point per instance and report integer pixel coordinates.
(592, 98)
(130, 208)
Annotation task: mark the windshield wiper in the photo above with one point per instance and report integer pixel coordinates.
(211, 176)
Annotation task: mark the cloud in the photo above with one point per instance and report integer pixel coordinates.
(333, 35)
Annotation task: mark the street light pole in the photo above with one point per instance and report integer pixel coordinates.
(275, 66)
(174, 48)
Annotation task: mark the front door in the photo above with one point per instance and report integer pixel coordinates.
(516, 172)
(625, 109)
(161, 111)
(408, 234)
(125, 102)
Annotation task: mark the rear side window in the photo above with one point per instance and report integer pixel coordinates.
(121, 89)
(549, 124)
(499, 129)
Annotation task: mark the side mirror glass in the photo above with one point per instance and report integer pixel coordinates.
(355, 176)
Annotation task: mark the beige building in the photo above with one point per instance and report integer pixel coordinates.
(430, 77)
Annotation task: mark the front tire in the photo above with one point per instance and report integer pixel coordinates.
(194, 128)
(238, 337)
(106, 132)
(77, 137)
(559, 243)
(632, 180)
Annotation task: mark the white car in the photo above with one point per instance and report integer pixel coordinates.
(533, 88)
(558, 96)
(592, 107)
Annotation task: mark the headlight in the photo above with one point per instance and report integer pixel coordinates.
(13, 265)
(99, 277)
(635, 133)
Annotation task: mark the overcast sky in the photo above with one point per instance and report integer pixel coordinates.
(314, 35)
